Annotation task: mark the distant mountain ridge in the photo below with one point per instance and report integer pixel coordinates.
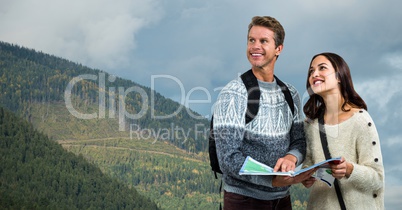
(32, 80)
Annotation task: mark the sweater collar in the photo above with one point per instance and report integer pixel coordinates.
(267, 85)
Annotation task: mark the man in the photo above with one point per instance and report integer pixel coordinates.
(274, 137)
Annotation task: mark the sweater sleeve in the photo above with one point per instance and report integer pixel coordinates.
(297, 136)
(368, 171)
(229, 128)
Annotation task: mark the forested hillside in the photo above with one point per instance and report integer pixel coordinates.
(169, 176)
(29, 78)
(37, 173)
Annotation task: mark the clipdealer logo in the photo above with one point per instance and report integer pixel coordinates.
(171, 133)
(116, 96)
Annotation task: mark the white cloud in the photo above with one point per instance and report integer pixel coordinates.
(394, 60)
(393, 197)
(393, 141)
(100, 34)
(379, 91)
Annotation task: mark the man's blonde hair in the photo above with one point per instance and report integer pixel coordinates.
(272, 24)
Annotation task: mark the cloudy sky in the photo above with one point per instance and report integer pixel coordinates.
(188, 50)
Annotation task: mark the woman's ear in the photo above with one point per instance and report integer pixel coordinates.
(337, 77)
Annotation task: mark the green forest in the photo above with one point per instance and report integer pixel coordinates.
(29, 78)
(37, 173)
(94, 157)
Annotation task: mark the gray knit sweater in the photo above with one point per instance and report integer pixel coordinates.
(272, 134)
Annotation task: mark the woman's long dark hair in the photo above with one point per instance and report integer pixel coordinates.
(315, 104)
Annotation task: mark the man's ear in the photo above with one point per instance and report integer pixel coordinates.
(279, 50)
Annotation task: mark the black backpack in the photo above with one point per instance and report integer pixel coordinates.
(253, 92)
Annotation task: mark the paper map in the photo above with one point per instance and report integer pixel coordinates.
(253, 167)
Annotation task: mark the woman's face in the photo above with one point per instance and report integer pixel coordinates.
(322, 76)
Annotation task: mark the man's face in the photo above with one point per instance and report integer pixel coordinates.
(261, 50)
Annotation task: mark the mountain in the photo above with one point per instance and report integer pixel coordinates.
(33, 82)
(161, 158)
(146, 141)
(37, 173)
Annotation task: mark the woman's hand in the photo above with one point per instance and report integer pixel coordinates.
(341, 169)
(281, 181)
(309, 182)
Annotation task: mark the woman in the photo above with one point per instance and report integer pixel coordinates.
(351, 134)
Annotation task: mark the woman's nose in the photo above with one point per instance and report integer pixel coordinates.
(314, 73)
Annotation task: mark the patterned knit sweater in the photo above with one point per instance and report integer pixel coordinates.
(357, 140)
(272, 134)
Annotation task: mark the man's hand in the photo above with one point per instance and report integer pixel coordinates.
(285, 164)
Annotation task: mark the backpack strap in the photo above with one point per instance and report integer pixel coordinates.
(253, 94)
(286, 92)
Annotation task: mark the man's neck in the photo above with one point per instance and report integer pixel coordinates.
(264, 74)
